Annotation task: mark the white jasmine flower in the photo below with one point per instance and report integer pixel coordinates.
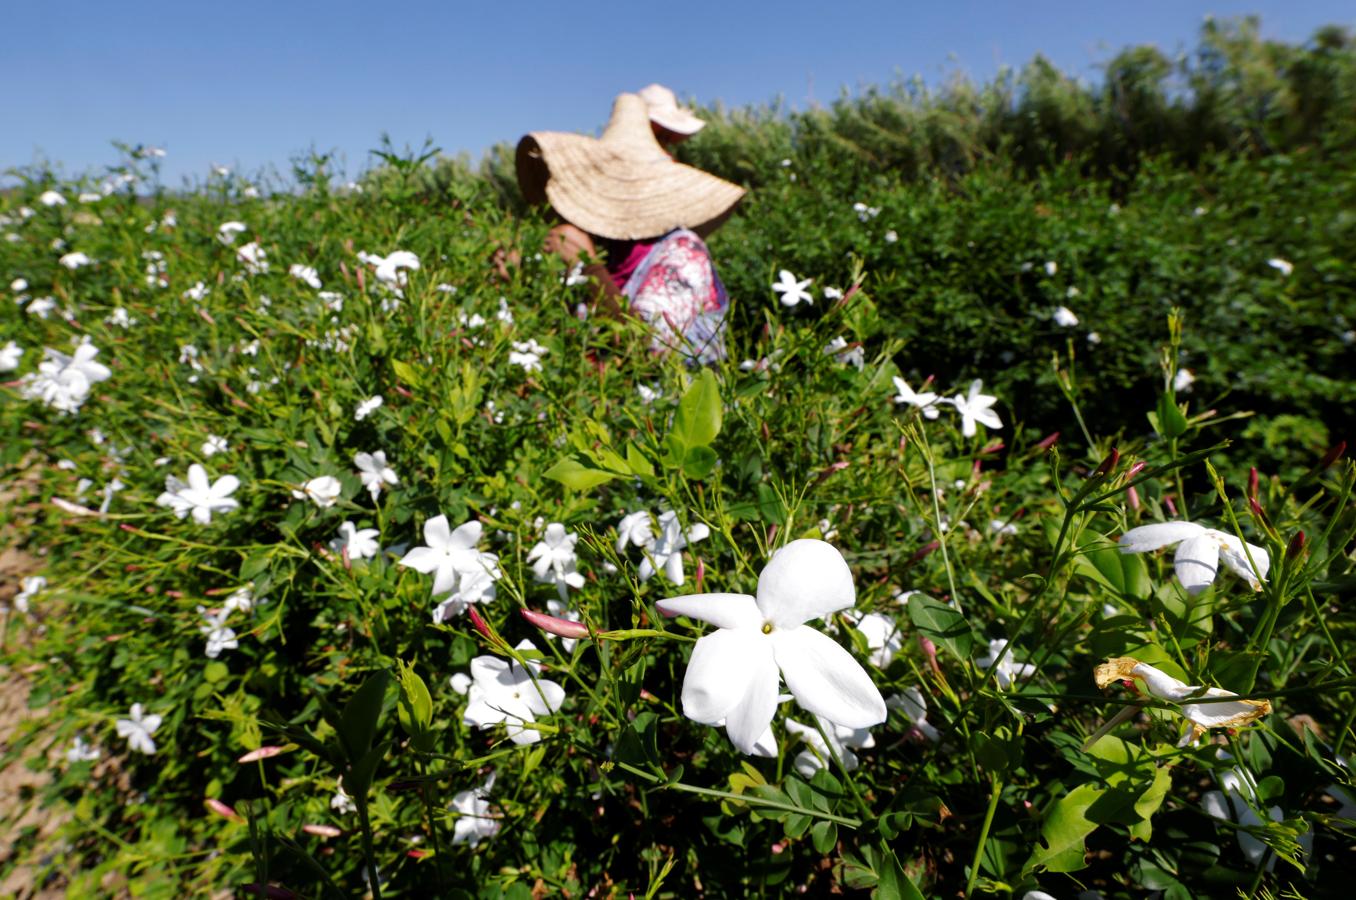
(883, 636)
(323, 491)
(1007, 671)
(865, 212)
(1284, 266)
(75, 260)
(664, 552)
(891, 236)
(1199, 553)
(367, 407)
(503, 691)
(197, 293)
(472, 586)
(1203, 707)
(80, 751)
(306, 274)
(64, 382)
(198, 496)
(504, 314)
(527, 354)
(390, 269)
(341, 802)
(445, 288)
(374, 471)
(1094, 338)
(10, 354)
(228, 231)
(1064, 317)
(241, 599)
(219, 636)
(1051, 268)
(648, 394)
(51, 198)
(999, 526)
(474, 823)
(734, 672)
(138, 730)
(446, 554)
(19, 285)
(108, 491)
(473, 321)
(849, 355)
(214, 444)
(914, 707)
(975, 407)
(1238, 802)
(41, 306)
(254, 258)
(841, 741)
(833, 293)
(792, 291)
(120, 318)
(636, 529)
(553, 559)
(926, 401)
(361, 543)
(1183, 380)
(29, 588)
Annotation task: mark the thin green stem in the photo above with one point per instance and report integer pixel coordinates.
(983, 836)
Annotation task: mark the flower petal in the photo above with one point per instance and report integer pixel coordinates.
(720, 675)
(437, 533)
(826, 680)
(1197, 562)
(1160, 534)
(422, 559)
(1232, 555)
(721, 610)
(466, 535)
(807, 579)
(533, 695)
(1225, 713)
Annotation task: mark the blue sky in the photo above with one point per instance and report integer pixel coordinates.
(251, 84)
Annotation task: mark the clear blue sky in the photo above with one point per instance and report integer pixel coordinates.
(250, 84)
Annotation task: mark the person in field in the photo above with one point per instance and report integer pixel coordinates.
(636, 219)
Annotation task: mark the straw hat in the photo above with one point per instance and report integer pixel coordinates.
(666, 113)
(622, 186)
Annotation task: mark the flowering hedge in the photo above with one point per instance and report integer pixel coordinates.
(351, 566)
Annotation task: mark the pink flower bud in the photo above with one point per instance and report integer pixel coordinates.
(554, 625)
(1133, 496)
(1253, 483)
(261, 753)
(701, 574)
(1136, 469)
(1048, 441)
(221, 809)
(992, 448)
(1333, 455)
(1172, 507)
(479, 623)
(1109, 463)
(1297, 544)
(930, 651)
(925, 550)
(325, 831)
(1257, 509)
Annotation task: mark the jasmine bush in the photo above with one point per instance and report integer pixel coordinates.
(348, 567)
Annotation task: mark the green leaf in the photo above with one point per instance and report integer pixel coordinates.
(894, 883)
(699, 463)
(943, 624)
(416, 704)
(1171, 422)
(638, 462)
(1066, 826)
(824, 835)
(699, 412)
(577, 477)
(358, 723)
(1149, 802)
(358, 778)
(406, 372)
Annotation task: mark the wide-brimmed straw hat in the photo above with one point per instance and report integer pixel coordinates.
(665, 112)
(622, 186)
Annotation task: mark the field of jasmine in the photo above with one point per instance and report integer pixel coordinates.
(1010, 553)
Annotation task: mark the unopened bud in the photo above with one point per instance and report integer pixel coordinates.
(1257, 509)
(261, 753)
(555, 625)
(992, 448)
(1333, 455)
(1134, 470)
(925, 550)
(479, 623)
(701, 574)
(325, 831)
(1253, 483)
(221, 809)
(1109, 463)
(1048, 441)
(1133, 496)
(1297, 545)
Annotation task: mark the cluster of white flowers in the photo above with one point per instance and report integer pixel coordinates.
(663, 550)
(459, 568)
(64, 382)
(973, 406)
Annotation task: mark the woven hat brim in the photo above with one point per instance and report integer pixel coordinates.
(677, 120)
(622, 195)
